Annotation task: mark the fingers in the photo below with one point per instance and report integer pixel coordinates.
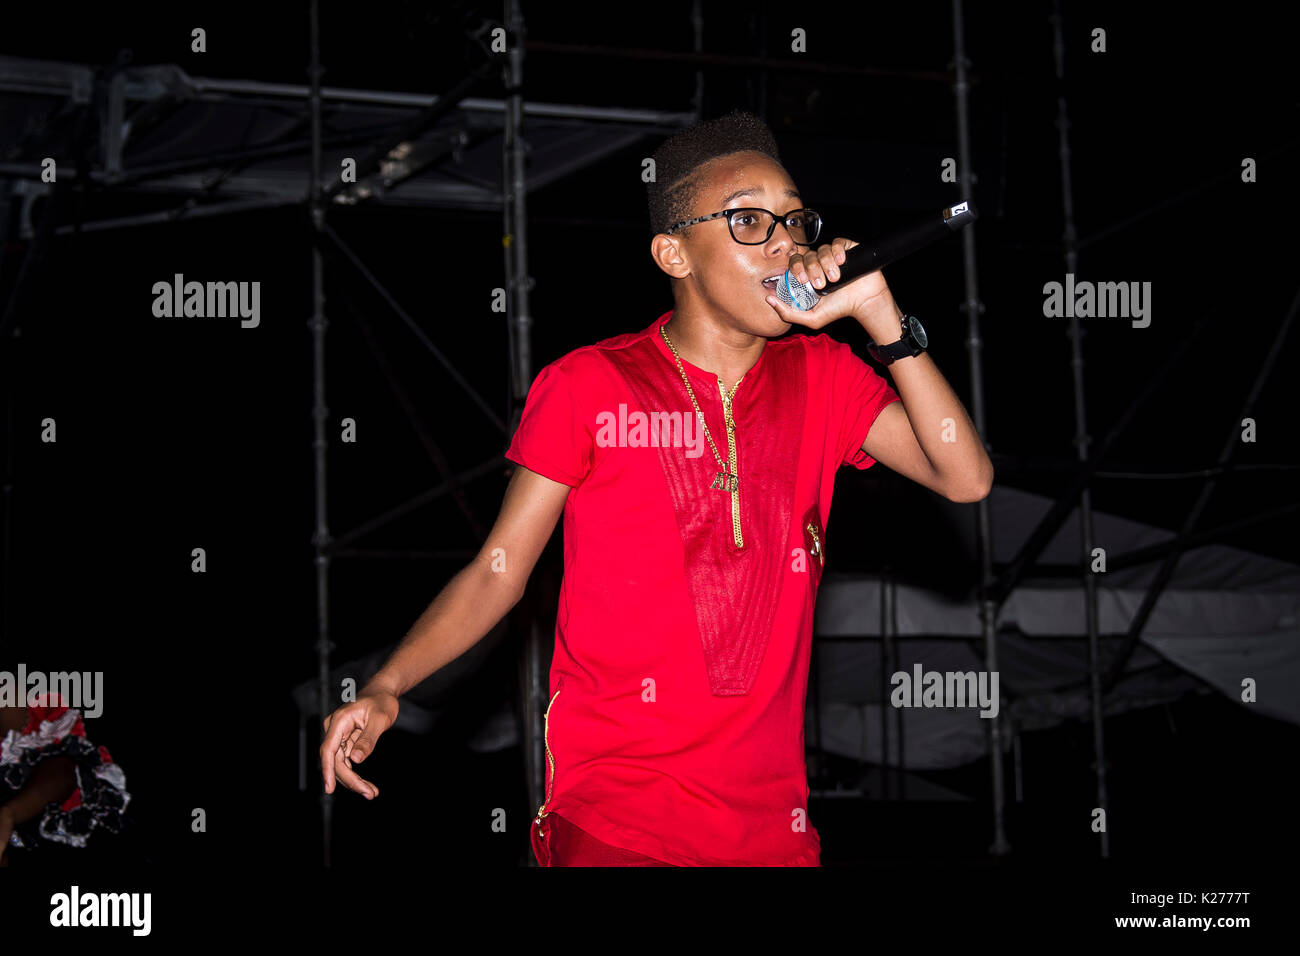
(329, 746)
(807, 267)
(830, 257)
(350, 736)
(350, 742)
(829, 260)
(351, 779)
(339, 725)
(801, 267)
(363, 739)
(359, 747)
(820, 266)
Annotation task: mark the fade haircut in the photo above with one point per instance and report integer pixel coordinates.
(677, 182)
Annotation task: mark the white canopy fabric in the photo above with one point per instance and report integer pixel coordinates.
(1225, 616)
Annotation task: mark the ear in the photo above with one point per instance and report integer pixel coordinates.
(670, 256)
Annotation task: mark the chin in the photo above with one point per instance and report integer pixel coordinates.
(772, 324)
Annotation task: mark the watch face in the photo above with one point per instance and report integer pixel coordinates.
(918, 331)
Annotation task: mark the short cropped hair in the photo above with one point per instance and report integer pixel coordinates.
(676, 185)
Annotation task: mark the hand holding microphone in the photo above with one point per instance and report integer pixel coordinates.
(829, 270)
(818, 273)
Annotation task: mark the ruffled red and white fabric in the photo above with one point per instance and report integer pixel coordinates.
(100, 798)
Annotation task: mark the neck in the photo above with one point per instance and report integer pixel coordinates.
(725, 352)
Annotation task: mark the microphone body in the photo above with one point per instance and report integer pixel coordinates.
(867, 257)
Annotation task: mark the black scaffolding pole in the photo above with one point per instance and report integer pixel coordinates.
(519, 322)
(1081, 439)
(321, 537)
(983, 523)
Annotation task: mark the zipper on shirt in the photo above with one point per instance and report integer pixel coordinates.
(546, 742)
(729, 420)
(817, 548)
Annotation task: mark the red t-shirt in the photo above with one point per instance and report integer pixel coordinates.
(677, 689)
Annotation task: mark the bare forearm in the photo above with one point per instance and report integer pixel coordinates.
(53, 781)
(943, 429)
(464, 611)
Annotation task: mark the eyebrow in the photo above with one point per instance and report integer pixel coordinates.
(750, 192)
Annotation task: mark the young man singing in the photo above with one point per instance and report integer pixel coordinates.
(693, 462)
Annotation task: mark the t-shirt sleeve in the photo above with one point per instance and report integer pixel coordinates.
(553, 439)
(860, 396)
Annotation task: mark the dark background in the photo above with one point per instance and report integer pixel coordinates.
(177, 434)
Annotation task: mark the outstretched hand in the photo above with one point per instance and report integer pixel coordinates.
(350, 736)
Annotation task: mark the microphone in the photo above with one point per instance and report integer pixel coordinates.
(867, 257)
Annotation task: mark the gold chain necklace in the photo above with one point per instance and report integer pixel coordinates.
(727, 479)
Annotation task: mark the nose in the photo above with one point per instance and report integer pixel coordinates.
(780, 240)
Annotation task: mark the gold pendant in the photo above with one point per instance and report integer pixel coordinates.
(725, 482)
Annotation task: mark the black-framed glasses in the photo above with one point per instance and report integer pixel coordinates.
(751, 226)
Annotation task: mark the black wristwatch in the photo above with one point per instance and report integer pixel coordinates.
(913, 342)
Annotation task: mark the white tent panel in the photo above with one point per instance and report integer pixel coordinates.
(1226, 615)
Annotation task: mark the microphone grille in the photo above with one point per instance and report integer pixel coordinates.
(796, 295)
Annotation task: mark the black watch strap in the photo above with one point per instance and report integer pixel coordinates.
(906, 346)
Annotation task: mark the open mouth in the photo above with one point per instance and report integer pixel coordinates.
(771, 282)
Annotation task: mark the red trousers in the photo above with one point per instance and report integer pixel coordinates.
(557, 842)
